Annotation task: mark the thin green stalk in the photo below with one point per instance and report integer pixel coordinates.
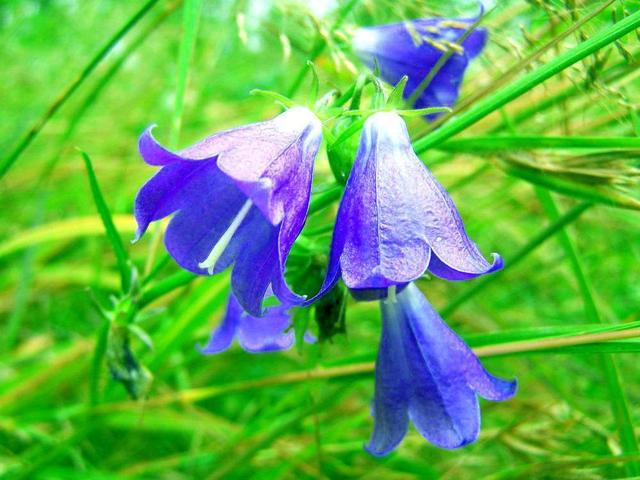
(190, 21)
(517, 257)
(500, 98)
(319, 46)
(177, 280)
(617, 395)
(492, 143)
(521, 65)
(35, 129)
(426, 81)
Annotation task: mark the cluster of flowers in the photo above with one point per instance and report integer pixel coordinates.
(240, 198)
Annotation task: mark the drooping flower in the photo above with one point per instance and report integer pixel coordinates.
(255, 334)
(427, 374)
(414, 47)
(240, 197)
(395, 220)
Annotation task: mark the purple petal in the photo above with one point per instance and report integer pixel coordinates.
(222, 336)
(255, 334)
(392, 387)
(445, 408)
(444, 377)
(395, 220)
(267, 333)
(279, 179)
(413, 49)
(208, 186)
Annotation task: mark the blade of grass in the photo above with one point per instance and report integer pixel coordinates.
(35, 129)
(97, 362)
(99, 87)
(500, 98)
(521, 65)
(366, 368)
(190, 21)
(483, 144)
(516, 258)
(617, 395)
(112, 233)
(69, 229)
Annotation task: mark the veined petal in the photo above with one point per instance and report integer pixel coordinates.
(279, 179)
(395, 220)
(444, 376)
(238, 196)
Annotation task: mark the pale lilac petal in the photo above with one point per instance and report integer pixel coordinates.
(267, 333)
(254, 182)
(395, 220)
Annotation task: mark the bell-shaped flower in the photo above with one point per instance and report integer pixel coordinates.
(238, 197)
(425, 373)
(395, 220)
(413, 48)
(268, 333)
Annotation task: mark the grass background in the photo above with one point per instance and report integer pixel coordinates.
(541, 159)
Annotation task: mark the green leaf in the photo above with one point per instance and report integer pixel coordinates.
(112, 234)
(190, 20)
(492, 143)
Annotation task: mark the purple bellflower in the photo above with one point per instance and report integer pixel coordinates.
(240, 197)
(268, 333)
(413, 48)
(395, 220)
(427, 374)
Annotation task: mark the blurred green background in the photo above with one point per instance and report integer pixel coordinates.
(549, 180)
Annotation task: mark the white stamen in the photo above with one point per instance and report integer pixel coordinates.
(391, 294)
(218, 249)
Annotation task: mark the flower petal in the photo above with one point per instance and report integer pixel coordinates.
(392, 389)
(377, 219)
(222, 336)
(446, 353)
(278, 180)
(413, 48)
(242, 194)
(267, 333)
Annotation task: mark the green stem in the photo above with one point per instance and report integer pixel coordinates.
(31, 134)
(500, 98)
(520, 255)
(617, 395)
